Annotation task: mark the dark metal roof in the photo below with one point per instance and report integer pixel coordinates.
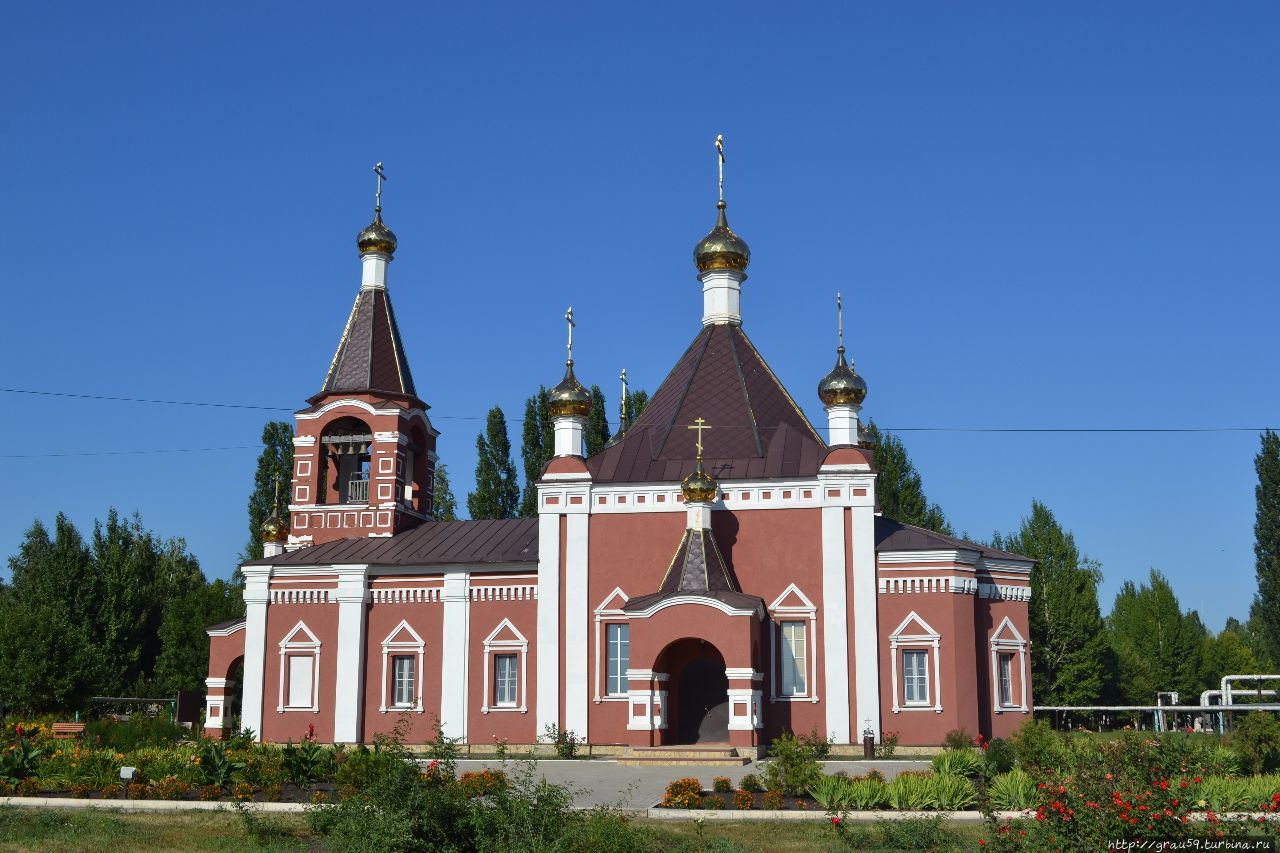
(510, 540)
(757, 430)
(218, 626)
(892, 536)
(370, 357)
(698, 568)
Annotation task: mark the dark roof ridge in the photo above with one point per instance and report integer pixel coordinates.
(742, 384)
(655, 452)
(954, 541)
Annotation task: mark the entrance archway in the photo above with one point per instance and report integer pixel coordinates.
(698, 692)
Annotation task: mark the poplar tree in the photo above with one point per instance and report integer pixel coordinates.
(899, 490)
(1266, 546)
(636, 402)
(184, 646)
(598, 434)
(271, 483)
(536, 449)
(1157, 646)
(1069, 651)
(444, 506)
(497, 493)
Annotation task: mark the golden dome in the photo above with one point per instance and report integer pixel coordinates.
(376, 237)
(699, 486)
(842, 386)
(569, 398)
(275, 529)
(721, 249)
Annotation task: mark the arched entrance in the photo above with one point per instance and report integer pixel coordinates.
(699, 692)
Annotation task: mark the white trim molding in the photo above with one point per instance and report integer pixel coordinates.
(1007, 645)
(309, 647)
(606, 613)
(807, 613)
(518, 646)
(696, 599)
(392, 648)
(227, 631)
(926, 638)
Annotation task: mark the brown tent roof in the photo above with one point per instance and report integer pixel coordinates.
(892, 536)
(757, 430)
(510, 540)
(697, 569)
(370, 357)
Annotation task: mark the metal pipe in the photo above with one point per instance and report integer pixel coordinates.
(1226, 693)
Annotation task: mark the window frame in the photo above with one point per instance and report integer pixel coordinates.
(408, 663)
(926, 639)
(802, 610)
(518, 645)
(624, 631)
(1004, 678)
(392, 648)
(608, 611)
(300, 642)
(913, 681)
(792, 667)
(499, 679)
(1007, 640)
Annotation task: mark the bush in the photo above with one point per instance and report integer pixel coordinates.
(793, 766)
(888, 744)
(868, 793)
(683, 793)
(818, 744)
(750, 782)
(482, 783)
(950, 792)
(1012, 791)
(831, 792)
(305, 763)
(1036, 744)
(565, 741)
(1255, 739)
(998, 757)
(957, 739)
(958, 762)
(910, 791)
(713, 802)
(721, 785)
(136, 732)
(744, 800)
(774, 800)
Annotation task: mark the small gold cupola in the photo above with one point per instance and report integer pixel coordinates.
(842, 386)
(699, 486)
(721, 249)
(377, 237)
(569, 398)
(275, 529)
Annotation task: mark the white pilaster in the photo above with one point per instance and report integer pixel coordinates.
(373, 272)
(455, 650)
(866, 631)
(835, 624)
(842, 425)
(576, 622)
(570, 436)
(548, 699)
(272, 549)
(257, 593)
(348, 708)
(722, 296)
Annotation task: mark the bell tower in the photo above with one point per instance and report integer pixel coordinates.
(364, 450)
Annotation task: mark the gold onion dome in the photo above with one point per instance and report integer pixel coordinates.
(842, 386)
(275, 529)
(721, 249)
(699, 486)
(569, 398)
(376, 237)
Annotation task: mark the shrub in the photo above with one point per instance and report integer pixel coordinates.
(168, 788)
(998, 757)
(305, 763)
(712, 801)
(215, 767)
(78, 791)
(210, 792)
(910, 791)
(958, 762)
(1012, 791)
(319, 798)
(888, 744)
(918, 833)
(138, 791)
(1036, 744)
(831, 792)
(750, 782)
(110, 792)
(242, 792)
(482, 783)
(818, 744)
(19, 761)
(721, 785)
(683, 793)
(951, 792)
(1255, 739)
(362, 767)
(132, 734)
(28, 787)
(957, 739)
(868, 793)
(565, 741)
(272, 793)
(774, 800)
(744, 800)
(792, 768)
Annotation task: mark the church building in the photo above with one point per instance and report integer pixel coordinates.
(719, 573)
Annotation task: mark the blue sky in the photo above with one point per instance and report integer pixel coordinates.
(1041, 216)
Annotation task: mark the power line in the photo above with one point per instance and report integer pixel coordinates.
(126, 452)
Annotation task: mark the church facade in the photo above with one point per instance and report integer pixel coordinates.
(719, 573)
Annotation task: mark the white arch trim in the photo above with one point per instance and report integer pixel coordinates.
(695, 599)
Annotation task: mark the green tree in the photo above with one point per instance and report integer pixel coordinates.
(1157, 646)
(271, 483)
(1226, 654)
(597, 435)
(444, 505)
(184, 646)
(899, 490)
(636, 402)
(1250, 634)
(536, 448)
(497, 493)
(1068, 661)
(1266, 545)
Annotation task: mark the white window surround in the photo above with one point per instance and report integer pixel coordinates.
(308, 645)
(780, 612)
(390, 647)
(1007, 639)
(519, 646)
(609, 610)
(926, 638)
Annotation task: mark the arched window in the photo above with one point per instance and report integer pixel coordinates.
(344, 462)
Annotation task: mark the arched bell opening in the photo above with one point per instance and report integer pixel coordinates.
(345, 458)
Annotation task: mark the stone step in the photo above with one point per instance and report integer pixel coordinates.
(668, 761)
(684, 755)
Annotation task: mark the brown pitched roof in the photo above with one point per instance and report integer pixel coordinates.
(697, 569)
(892, 536)
(509, 540)
(757, 430)
(370, 357)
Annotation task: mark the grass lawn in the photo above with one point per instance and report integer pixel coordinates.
(94, 830)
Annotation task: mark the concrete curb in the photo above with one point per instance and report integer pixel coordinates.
(145, 805)
(792, 814)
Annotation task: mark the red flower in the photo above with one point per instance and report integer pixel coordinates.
(982, 841)
(1108, 776)
(19, 730)
(835, 821)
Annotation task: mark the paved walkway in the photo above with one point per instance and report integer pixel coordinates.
(601, 782)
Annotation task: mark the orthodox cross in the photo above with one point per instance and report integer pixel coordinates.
(622, 418)
(720, 155)
(840, 318)
(377, 196)
(568, 315)
(699, 424)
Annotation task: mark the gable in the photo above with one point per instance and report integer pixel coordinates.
(914, 626)
(300, 636)
(403, 635)
(505, 634)
(1007, 632)
(792, 600)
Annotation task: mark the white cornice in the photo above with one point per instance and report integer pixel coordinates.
(956, 555)
(714, 603)
(228, 631)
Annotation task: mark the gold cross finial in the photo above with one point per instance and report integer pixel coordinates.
(568, 316)
(622, 406)
(699, 424)
(377, 196)
(720, 155)
(840, 319)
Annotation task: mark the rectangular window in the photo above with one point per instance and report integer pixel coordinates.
(619, 637)
(301, 674)
(793, 659)
(1006, 679)
(403, 678)
(505, 683)
(915, 677)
